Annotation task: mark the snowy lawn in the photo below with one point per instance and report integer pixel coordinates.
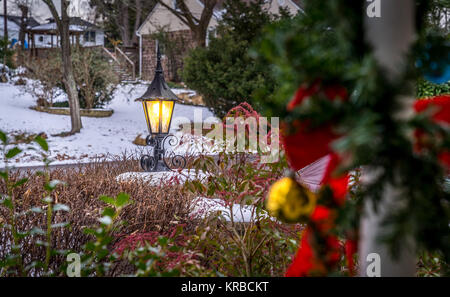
(100, 137)
(202, 206)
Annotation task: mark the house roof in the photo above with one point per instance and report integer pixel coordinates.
(220, 3)
(218, 9)
(76, 24)
(30, 22)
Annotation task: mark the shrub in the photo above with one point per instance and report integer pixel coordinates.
(428, 89)
(224, 73)
(4, 44)
(95, 77)
(47, 78)
(155, 209)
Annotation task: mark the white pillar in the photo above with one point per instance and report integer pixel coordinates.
(391, 35)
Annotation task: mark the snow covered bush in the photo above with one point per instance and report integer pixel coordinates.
(95, 78)
(4, 47)
(46, 76)
(72, 194)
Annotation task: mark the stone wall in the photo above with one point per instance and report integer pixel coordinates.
(172, 60)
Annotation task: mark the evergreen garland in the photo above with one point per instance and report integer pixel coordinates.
(326, 45)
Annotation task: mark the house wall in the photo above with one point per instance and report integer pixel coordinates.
(99, 39)
(45, 41)
(161, 17)
(182, 40)
(13, 30)
(274, 6)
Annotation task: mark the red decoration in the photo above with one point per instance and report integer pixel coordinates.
(442, 105)
(332, 92)
(306, 145)
(307, 262)
(323, 219)
(302, 94)
(303, 147)
(351, 247)
(338, 184)
(441, 115)
(303, 260)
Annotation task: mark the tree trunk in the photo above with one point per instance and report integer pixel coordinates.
(198, 27)
(23, 25)
(137, 22)
(199, 35)
(391, 36)
(69, 79)
(5, 33)
(68, 76)
(125, 25)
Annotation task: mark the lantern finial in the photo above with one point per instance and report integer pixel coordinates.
(158, 88)
(158, 59)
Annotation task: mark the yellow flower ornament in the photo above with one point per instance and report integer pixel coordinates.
(289, 201)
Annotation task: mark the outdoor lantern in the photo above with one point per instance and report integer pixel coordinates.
(158, 103)
(158, 113)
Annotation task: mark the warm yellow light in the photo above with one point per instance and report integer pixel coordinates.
(152, 115)
(166, 115)
(158, 115)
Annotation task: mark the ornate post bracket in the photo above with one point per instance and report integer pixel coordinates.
(161, 159)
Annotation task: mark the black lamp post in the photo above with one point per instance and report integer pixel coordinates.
(159, 102)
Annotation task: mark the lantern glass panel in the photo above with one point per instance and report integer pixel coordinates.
(152, 113)
(166, 115)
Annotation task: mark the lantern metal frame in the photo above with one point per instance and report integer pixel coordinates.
(157, 159)
(149, 126)
(161, 159)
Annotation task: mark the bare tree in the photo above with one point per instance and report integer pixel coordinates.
(5, 32)
(125, 15)
(197, 25)
(138, 20)
(22, 7)
(23, 23)
(68, 76)
(124, 22)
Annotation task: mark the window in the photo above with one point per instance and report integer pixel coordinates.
(89, 36)
(210, 34)
(41, 39)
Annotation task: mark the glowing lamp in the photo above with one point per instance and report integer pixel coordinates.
(158, 103)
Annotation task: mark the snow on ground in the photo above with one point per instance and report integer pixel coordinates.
(159, 178)
(205, 207)
(99, 137)
(202, 206)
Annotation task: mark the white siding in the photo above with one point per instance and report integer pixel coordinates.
(47, 40)
(99, 39)
(44, 40)
(13, 30)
